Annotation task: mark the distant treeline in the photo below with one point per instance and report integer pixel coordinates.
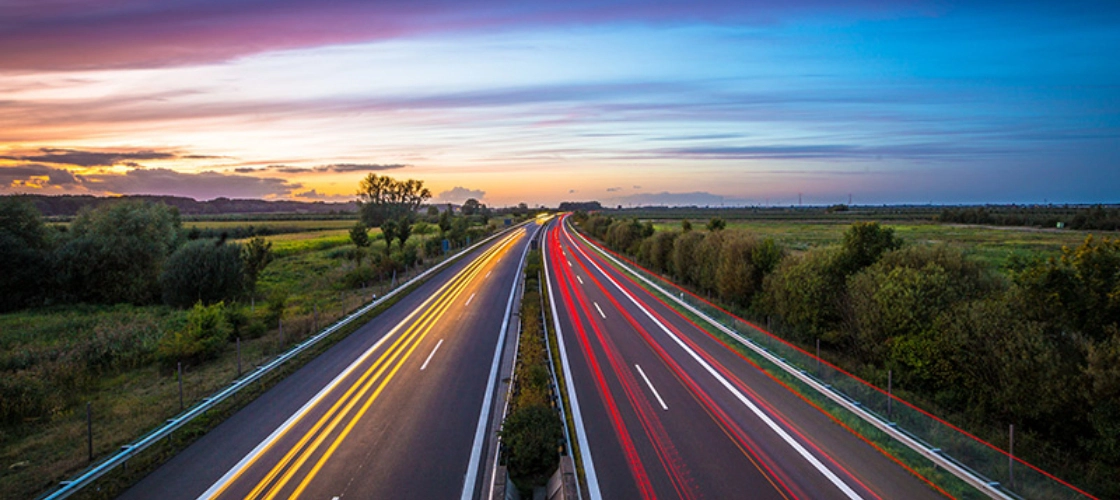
(1091, 218)
(70, 205)
(1039, 349)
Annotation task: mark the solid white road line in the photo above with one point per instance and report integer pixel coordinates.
(469, 300)
(600, 310)
(789, 440)
(580, 279)
(651, 388)
(426, 361)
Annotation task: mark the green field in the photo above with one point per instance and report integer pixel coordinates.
(993, 245)
(288, 225)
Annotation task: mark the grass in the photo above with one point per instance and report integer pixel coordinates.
(285, 226)
(993, 245)
(131, 395)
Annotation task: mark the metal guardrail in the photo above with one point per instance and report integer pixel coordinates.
(71, 486)
(965, 456)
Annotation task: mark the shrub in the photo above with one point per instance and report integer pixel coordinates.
(531, 436)
(205, 271)
(201, 339)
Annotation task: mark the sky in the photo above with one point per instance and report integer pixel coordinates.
(627, 102)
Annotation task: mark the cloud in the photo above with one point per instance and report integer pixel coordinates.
(613, 189)
(31, 175)
(90, 158)
(313, 194)
(93, 34)
(333, 168)
(459, 194)
(359, 167)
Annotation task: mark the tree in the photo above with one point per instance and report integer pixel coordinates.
(389, 230)
(359, 236)
(686, 226)
(404, 230)
(863, 243)
(203, 272)
(24, 257)
(716, 224)
(471, 207)
(445, 221)
(116, 252)
(382, 198)
(433, 213)
(255, 256)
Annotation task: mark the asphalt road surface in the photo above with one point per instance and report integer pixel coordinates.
(668, 411)
(391, 411)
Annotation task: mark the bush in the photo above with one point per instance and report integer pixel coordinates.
(24, 254)
(531, 437)
(116, 252)
(201, 339)
(806, 292)
(205, 271)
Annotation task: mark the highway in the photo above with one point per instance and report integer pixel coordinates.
(669, 411)
(391, 411)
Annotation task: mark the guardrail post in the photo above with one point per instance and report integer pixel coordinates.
(180, 386)
(890, 394)
(818, 357)
(1011, 456)
(89, 429)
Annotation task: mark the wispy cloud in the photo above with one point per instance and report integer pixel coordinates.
(90, 158)
(30, 178)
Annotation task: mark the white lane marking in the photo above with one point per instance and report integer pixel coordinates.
(825, 471)
(488, 400)
(569, 263)
(577, 416)
(580, 279)
(600, 310)
(469, 300)
(425, 365)
(487, 274)
(651, 388)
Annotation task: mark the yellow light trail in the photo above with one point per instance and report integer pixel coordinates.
(406, 343)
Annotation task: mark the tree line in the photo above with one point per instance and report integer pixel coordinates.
(1038, 347)
(1089, 218)
(129, 252)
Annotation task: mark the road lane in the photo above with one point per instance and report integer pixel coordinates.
(381, 427)
(795, 450)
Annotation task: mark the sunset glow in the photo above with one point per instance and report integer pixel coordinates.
(719, 103)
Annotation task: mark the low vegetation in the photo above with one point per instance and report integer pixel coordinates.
(1033, 342)
(532, 431)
